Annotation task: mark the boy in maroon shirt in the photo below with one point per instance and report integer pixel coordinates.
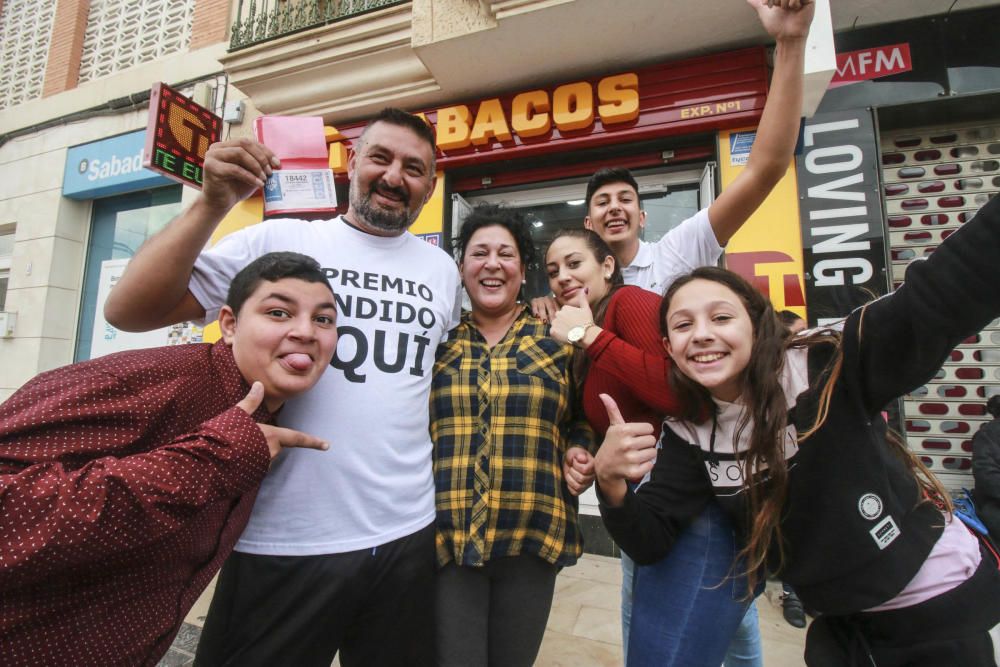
(125, 481)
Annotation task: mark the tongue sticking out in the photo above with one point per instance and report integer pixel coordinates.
(298, 361)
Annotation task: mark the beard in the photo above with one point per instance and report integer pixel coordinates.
(388, 220)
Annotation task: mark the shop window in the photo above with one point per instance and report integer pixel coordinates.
(119, 226)
(6, 250)
(667, 197)
(123, 33)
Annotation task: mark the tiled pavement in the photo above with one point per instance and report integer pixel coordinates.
(584, 628)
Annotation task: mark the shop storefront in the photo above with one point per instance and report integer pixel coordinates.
(905, 148)
(673, 125)
(684, 129)
(129, 204)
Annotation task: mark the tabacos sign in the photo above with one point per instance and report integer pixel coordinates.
(696, 95)
(534, 114)
(570, 107)
(108, 167)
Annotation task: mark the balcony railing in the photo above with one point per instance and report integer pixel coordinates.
(269, 19)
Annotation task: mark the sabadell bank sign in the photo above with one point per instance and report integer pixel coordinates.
(109, 167)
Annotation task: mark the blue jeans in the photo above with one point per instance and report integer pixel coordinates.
(688, 609)
(628, 581)
(745, 649)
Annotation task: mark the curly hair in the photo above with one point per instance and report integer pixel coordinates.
(496, 215)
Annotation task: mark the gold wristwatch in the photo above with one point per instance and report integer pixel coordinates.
(576, 334)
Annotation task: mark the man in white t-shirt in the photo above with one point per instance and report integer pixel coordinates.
(614, 212)
(338, 555)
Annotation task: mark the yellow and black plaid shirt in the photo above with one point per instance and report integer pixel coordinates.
(501, 420)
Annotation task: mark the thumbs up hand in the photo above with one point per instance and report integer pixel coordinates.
(253, 399)
(581, 299)
(576, 313)
(627, 453)
(614, 414)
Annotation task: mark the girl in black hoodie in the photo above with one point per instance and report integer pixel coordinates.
(833, 502)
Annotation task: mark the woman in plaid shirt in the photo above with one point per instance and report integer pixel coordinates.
(506, 422)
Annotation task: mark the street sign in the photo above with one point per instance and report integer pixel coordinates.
(178, 135)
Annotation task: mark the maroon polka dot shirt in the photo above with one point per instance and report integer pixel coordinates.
(125, 481)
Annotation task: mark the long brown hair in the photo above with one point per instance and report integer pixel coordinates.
(766, 413)
(601, 252)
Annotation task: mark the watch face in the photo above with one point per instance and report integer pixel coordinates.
(575, 334)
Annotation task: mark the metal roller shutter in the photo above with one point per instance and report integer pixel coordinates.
(934, 180)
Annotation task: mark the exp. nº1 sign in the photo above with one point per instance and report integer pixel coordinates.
(178, 135)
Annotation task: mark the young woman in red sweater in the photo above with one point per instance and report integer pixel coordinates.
(617, 325)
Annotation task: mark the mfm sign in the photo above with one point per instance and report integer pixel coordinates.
(872, 63)
(178, 135)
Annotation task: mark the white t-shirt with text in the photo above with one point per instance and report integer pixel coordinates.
(396, 300)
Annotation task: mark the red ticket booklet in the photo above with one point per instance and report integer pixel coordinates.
(304, 184)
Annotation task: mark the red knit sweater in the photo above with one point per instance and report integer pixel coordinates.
(629, 363)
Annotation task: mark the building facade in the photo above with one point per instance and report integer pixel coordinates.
(528, 98)
(75, 78)
(902, 147)
(905, 147)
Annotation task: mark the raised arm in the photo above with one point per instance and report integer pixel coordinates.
(788, 23)
(898, 342)
(153, 292)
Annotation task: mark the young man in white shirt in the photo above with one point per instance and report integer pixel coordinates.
(614, 212)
